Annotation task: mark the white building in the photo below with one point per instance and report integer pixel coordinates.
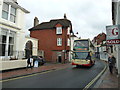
(72, 38)
(115, 49)
(13, 43)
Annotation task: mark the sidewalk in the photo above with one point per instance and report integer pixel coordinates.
(108, 80)
(23, 72)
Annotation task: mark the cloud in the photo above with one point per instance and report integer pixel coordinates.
(88, 17)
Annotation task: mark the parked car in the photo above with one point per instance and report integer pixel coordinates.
(40, 60)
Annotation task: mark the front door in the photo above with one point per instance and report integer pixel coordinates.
(59, 59)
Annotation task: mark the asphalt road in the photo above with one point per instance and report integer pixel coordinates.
(65, 78)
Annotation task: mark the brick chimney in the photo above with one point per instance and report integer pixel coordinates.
(65, 17)
(36, 21)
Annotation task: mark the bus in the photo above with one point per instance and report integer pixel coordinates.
(83, 53)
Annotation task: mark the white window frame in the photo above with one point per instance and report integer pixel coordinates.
(68, 42)
(59, 41)
(5, 10)
(13, 14)
(10, 14)
(58, 30)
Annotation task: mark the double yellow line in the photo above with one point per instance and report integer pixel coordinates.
(93, 81)
(29, 75)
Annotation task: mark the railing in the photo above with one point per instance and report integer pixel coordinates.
(15, 55)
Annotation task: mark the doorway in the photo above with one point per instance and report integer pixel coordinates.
(28, 49)
(59, 59)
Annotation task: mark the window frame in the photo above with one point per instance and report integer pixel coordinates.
(58, 30)
(59, 41)
(13, 14)
(9, 13)
(5, 11)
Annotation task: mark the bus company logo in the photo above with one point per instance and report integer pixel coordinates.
(115, 31)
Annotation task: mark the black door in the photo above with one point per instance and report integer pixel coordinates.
(59, 59)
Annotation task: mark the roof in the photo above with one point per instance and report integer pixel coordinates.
(73, 36)
(51, 24)
(15, 4)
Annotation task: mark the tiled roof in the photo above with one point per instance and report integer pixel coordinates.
(51, 24)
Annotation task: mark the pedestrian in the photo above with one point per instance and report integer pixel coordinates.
(29, 62)
(111, 62)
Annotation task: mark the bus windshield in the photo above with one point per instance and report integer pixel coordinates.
(81, 55)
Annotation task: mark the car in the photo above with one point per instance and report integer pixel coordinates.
(40, 60)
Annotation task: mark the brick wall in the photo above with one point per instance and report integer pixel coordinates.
(47, 41)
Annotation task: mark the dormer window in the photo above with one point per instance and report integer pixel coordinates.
(58, 30)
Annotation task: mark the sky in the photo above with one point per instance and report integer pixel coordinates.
(88, 17)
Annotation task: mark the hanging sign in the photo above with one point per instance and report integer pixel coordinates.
(113, 34)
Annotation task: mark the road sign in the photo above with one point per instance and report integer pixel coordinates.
(113, 34)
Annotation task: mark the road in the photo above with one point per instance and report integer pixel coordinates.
(64, 78)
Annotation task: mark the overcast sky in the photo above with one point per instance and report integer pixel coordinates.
(88, 17)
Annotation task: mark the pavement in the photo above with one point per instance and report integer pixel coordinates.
(107, 80)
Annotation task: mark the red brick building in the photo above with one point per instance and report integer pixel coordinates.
(54, 39)
(99, 38)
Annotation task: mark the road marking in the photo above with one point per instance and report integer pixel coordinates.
(30, 75)
(93, 81)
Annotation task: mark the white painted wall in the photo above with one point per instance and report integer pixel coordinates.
(13, 64)
(18, 27)
(71, 44)
(1, 2)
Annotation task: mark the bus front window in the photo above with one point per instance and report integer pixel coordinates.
(81, 55)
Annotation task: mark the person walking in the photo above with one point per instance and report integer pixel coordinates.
(111, 62)
(29, 62)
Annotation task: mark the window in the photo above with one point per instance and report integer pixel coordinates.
(5, 11)
(59, 41)
(9, 15)
(68, 30)
(2, 45)
(11, 44)
(7, 42)
(59, 30)
(68, 42)
(12, 14)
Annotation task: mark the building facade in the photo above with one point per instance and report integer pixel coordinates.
(12, 30)
(73, 37)
(100, 46)
(54, 39)
(115, 49)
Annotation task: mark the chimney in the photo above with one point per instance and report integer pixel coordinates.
(36, 21)
(65, 16)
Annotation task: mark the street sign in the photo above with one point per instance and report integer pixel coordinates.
(113, 34)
